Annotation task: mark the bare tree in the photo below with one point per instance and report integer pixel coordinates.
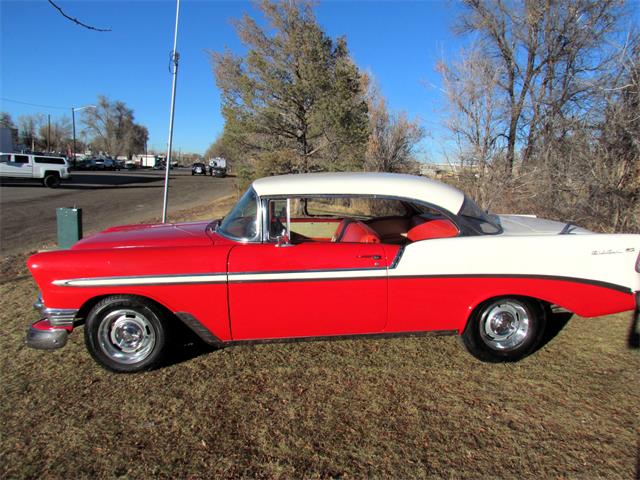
(6, 121)
(393, 139)
(547, 55)
(545, 108)
(475, 108)
(75, 20)
(59, 134)
(113, 129)
(29, 125)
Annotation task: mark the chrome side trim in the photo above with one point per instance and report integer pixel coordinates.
(312, 275)
(142, 280)
(309, 275)
(203, 332)
(60, 317)
(397, 258)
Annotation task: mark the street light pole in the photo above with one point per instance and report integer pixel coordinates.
(175, 56)
(73, 121)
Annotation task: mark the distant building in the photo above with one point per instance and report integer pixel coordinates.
(438, 170)
(447, 170)
(7, 137)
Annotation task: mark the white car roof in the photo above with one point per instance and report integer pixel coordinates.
(363, 183)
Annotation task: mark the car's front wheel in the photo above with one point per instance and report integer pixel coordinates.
(126, 334)
(505, 329)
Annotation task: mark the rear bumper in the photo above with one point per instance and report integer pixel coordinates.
(43, 336)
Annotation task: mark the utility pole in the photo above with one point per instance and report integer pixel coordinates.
(175, 56)
(48, 132)
(73, 122)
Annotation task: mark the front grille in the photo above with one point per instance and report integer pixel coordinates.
(60, 317)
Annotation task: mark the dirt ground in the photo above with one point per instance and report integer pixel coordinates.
(397, 408)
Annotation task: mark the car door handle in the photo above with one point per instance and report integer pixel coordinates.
(375, 257)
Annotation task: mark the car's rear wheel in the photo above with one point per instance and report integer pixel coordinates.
(51, 180)
(126, 334)
(505, 329)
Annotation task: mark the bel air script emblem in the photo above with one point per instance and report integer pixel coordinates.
(613, 252)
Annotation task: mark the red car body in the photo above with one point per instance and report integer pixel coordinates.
(230, 290)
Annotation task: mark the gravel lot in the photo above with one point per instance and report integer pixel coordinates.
(28, 210)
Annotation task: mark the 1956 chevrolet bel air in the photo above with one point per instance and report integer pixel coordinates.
(326, 255)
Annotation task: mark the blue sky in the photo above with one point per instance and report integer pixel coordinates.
(45, 59)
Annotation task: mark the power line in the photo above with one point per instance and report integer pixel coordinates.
(33, 104)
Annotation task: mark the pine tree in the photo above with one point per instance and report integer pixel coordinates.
(294, 102)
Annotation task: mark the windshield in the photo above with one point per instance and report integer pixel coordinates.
(482, 222)
(242, 221)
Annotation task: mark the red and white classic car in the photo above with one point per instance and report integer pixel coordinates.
(328, 255)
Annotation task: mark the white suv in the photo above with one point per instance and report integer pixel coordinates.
(48, 169)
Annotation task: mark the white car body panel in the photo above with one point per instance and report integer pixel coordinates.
(349, 183)
(531, 225)
(607, 258)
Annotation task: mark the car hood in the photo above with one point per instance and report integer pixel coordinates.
(531, 225)
(149, 235)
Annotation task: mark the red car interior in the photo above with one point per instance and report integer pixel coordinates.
(432, 229)
(354, 231)
(359, 232)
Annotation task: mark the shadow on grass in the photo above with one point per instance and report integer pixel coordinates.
(634, 342)
(555, 324)
(186, 346)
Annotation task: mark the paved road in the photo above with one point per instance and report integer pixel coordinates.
(27, 209)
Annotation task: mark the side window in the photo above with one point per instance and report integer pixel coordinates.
(356, 207)
(277, 218)
(21, 158)
(330, 219)
(50, 160)
(5, 158)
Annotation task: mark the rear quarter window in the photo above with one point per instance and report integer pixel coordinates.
(50, 160)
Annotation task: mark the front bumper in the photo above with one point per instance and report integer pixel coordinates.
(43, 336)
(53, 330)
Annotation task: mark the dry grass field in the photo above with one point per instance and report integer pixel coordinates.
(401, 408)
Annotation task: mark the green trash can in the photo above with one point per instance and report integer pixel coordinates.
(69, 226)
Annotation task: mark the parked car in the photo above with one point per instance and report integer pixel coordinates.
(48, 169)
(218, 167)
(218, 172)
(327, 255)
(102, 164)
(198, 169)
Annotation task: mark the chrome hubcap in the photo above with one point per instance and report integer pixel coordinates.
(126, 336)
(504, 325)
